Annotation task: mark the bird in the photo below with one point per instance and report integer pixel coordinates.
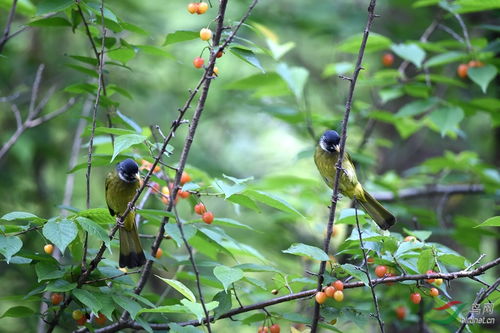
(121, 186)
(326, 156)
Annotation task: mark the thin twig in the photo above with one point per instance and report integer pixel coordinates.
(111, 277)
(236, 296)
(476, 262)
(481, 296)
(343, 137)
(451, 32)
(92, 132)
(6, 31)
(464, 31)
(366, 270)
(301, 295)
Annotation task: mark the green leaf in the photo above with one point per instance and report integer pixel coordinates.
(295, 77)
(113, 130)
(227, 189)
(50, 22)
(94, 229)
(491, 222)
(176, 328)
(176, 308)
(230, 223)
(447, 118)
(338, 68)
(122, 55)
(312, 252)
(134, 28)
(60, 232)
(12, 216)
(225, 302)
(482, 76)
(452, 260)
(197, 309)
(425, 261)
(356, 272)
(61, 286)
(248, 56)
(153, 50)
(18, 312)
(279, 50)
(348, 216)
(272, 201)
(469, 6)
(244, 200)
(99, 215)
(79, 88)
(416, 107)
(268, 84)
(411, 52)
(123, 142)
(406, 247)
(445, 58)
(85, 70)
(173, 231)
(88, 299)
(376, 42)
(10, 246)
(49, 6)
(127, 304)
(420, 234)
(227, 275)
(48, 271)
(180, 36)
(180, 287)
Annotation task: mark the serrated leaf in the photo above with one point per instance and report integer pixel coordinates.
(180, 287)
(173, 231)
(482, 76)
(447, 118)
(411, 52)
(272, 201)
(491, 222)
(10, 246)
(18, 312)
(312, 252)
(88, 299)
(227, 275)
(248, 56)
(127, 304)
(49, 6)
(425, 261)
(94, 229)
(357, 273)
(123, 142)
(60, 232)
(48, 271)
(180, 36)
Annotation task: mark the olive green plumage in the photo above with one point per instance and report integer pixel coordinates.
(119, 192)
(326, 156)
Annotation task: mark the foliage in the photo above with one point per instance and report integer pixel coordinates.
(415, 125)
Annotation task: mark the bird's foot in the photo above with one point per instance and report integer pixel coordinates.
(119, 222)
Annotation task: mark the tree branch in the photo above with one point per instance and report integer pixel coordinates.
(306, 294)
(429, 191)
(6, 31)
(367, 271)
(343, 137)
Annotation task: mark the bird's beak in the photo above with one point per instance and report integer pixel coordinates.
(337, 148)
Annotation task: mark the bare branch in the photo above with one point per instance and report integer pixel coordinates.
(343, 137)
(6, 31)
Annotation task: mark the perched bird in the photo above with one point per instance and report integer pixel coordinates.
(121, 186)
(326, 156)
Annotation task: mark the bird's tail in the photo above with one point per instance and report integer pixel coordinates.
(131, 253)
(378, 213)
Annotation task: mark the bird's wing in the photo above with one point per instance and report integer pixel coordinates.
(109, 177)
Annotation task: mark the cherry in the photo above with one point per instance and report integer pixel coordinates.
(434, 292)
(77, 314)
(462, 70)
(410, 239)
(370, 261)
(100, 319)
(429, 272)
(56, 298)
(415, 298)
(198, 62)
(205, 34)
(387, 59)
(185, 178)
(200, 209)
(275, 328)
(438, 282)
(183, 194)
(193, 7)
(329, 291)
(208, 217)
(320, 297)
(49, 248)
(202, 8)
(380, 271)
(159, 253)
(339, 285)
(338, 296)
(401, 312)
